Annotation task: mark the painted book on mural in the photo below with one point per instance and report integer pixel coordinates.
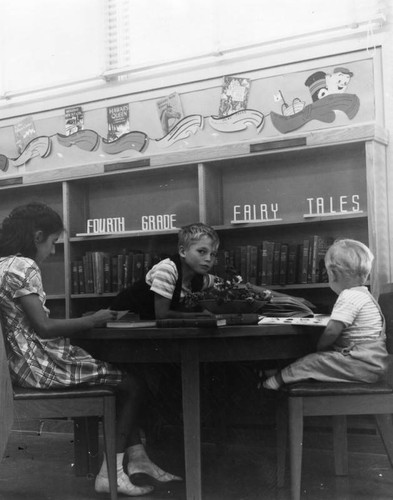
(24, 132)
(234, 95)
(74, 119)
(170, 111)
(118, 121)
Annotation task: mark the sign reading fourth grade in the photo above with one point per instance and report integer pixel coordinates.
(159, 222)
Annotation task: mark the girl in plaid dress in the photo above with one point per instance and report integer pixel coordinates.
(39, 351)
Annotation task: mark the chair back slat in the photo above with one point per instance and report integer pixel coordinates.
(6, 398)
(386, 304)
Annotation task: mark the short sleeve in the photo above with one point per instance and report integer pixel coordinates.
(162, 278)
(346, 308)
(23, 278)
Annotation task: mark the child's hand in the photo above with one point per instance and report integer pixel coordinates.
(102, 316)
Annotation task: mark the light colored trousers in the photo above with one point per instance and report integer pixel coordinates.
(362, 362)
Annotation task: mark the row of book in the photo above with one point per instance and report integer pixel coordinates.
(102, 272)
(271, 263)
(278, 263)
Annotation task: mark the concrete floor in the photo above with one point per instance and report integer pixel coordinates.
(40, 467)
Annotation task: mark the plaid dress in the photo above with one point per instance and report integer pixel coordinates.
(34, 361)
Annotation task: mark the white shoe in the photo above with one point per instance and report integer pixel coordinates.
(147, 472)
(124, 486)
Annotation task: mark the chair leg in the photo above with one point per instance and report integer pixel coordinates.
(295, 444)
(340, 445)
(282, 437)
(385, 428)
(85, 445)
(110, 444)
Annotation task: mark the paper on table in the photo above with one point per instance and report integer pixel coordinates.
(316, 320)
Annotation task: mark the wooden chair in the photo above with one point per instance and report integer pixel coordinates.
(338, 400)
(76, 403)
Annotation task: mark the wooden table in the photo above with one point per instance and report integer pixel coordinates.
(189, 347)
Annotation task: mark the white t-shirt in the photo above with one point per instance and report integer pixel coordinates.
(356, 308)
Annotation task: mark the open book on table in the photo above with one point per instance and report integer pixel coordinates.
(316, 320)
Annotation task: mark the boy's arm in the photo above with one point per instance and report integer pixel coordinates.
(330, 334)
(162, 309)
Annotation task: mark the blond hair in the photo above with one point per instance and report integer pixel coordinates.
(349, 258)
(196, 231)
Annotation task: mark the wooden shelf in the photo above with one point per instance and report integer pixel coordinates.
(284, 179)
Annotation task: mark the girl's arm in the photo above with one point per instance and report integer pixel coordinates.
(330, 334)
(162, 310)
(47, 328)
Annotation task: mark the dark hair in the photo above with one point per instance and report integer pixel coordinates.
(17, 234)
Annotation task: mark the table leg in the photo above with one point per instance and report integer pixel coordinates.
(191, 419)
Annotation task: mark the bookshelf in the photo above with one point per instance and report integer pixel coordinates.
(329, 183)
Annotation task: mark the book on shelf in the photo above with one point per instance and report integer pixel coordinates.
(266, 262)
(74, 277)
(310, 260)
(252, 263)
(283, 264)
(107, 273)
(292, 263)
(276, 263)
(88, 272)
(114, 276)
(137, 267)
(98, 271)
(323, 245)
(81, 277)
(303, 268)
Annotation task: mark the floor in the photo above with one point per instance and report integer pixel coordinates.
(40, 467)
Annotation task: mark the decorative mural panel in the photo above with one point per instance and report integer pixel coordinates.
(332, 96)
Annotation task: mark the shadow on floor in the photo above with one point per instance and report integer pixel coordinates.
(40, 467)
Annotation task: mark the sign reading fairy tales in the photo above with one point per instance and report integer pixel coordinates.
(319, 206)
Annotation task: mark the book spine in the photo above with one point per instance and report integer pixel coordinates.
(323, 246)
(276, 263)
(304, 262)
(252, 254)
(88, 271)
(316, 241)
(114, 276)
(310, 257)
(269, 262)
(137, 267)
(81, 277)
(121, 261)
(292, 264)
(107, 273)
(74, 278)
(283, 263)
